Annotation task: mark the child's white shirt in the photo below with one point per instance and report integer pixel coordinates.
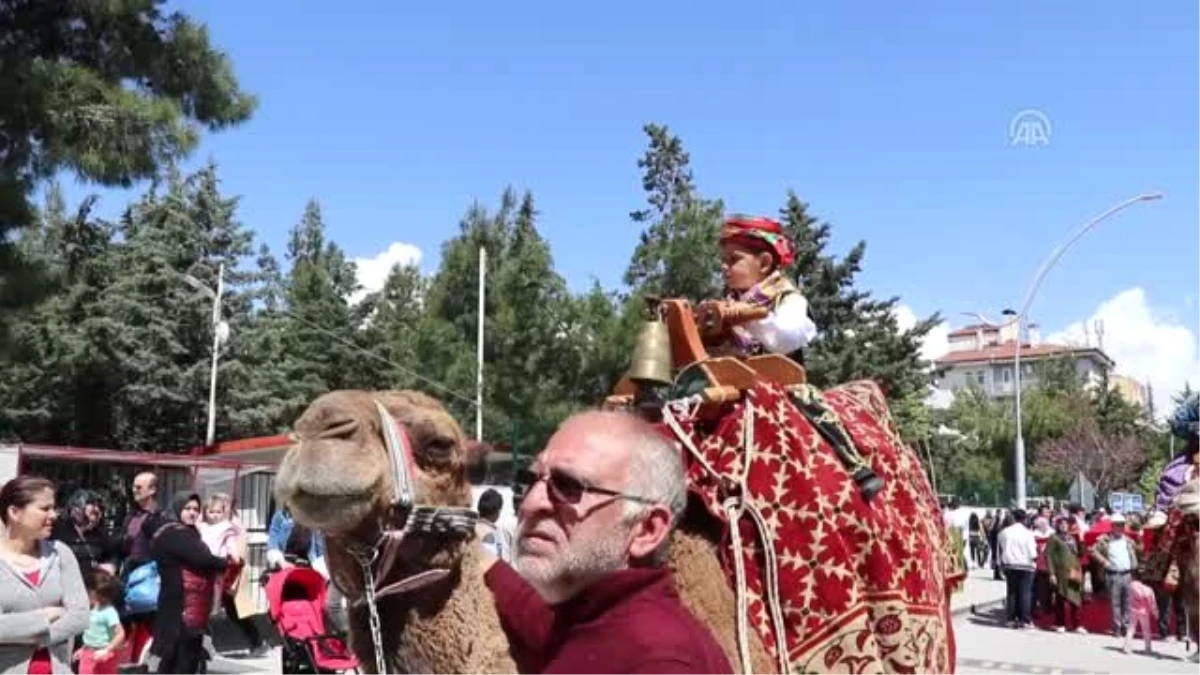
(787, 328)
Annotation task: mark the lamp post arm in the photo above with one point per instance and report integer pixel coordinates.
(1066, 245)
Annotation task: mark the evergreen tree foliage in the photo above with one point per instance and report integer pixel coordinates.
(112, 91)
(859, 337)
(676, 255)
(119, 355)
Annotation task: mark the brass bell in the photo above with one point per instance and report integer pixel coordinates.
(651, 363)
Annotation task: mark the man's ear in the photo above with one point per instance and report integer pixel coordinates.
(650, 532)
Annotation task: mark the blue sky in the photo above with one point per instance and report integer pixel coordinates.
(890, 119)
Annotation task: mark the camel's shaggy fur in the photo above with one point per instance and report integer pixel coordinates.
(336, 479)
(704, 587)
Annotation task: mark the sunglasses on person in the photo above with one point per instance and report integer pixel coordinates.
(564, 488)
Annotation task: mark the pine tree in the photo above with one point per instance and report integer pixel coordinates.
(530, 349)
(322, 340)
(163, 347)
(56, 388)
(109, 90)
(858, 334)
(676, 255)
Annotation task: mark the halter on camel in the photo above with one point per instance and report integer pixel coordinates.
(404, 517)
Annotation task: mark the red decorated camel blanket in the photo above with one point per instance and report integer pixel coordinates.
(845, 584)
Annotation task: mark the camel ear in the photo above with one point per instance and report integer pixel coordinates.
(477, 452)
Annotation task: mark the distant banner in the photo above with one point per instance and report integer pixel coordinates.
(1125, 502)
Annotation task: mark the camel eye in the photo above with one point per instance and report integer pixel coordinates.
(437, 451)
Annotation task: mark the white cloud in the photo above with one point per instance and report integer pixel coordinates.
(1149, 345)
(373, 272)
(936, 342)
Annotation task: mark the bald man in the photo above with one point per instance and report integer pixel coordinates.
(588, 592)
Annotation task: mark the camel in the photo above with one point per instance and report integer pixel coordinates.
(841, 579)
(336, 479)
(1175, 550)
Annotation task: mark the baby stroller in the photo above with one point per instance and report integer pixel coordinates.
(296, 604)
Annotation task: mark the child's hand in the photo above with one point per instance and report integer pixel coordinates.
(103, 654)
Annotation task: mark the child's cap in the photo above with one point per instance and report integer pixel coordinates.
(760, 232)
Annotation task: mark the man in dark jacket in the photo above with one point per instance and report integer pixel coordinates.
(143, 521)
(592, 594)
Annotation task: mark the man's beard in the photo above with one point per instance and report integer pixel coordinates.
(584, 561)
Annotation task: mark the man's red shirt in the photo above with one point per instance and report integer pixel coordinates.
(630, 622)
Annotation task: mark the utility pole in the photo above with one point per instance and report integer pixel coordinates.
(479, 347)
(211, 436)
(220, 334)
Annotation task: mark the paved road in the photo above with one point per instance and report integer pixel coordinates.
(984, 647)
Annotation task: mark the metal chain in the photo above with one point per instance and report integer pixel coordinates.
(373, 612)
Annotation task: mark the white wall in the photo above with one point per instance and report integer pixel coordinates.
(9, 458)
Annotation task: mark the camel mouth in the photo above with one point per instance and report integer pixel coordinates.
(331, 512)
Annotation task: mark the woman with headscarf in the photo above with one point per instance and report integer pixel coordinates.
(188, 572)
(1041, 576)
(1066, 576)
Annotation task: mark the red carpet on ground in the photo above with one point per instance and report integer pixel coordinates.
(1095, 616)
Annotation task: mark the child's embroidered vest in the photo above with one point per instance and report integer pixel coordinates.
(767, 293)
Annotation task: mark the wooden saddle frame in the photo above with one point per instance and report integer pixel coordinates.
(727, 377)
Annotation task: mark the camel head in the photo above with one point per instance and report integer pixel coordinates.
(337, 476)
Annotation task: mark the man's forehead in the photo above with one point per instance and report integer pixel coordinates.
(584, 448)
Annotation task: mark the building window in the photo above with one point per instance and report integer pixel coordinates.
(1007, 376)
(979, 377)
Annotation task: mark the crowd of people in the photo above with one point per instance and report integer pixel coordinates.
(159, 580)
(1045, 559)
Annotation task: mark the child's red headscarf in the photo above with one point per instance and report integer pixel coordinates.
(761, 234)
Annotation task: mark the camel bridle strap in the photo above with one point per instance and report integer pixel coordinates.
(405, 518)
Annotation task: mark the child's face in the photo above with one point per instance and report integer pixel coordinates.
(215, 513)
(743, 267)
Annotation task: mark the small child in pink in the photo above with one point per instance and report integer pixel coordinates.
(1143, 611)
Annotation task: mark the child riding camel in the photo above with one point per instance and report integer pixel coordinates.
(755, 252)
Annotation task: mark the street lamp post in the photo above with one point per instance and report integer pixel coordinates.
(220, 333)
(1018, 317)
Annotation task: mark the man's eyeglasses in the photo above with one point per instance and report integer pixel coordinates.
(567, 489)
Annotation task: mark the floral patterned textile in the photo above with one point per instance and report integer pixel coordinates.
(1178, 540)
(863, 586)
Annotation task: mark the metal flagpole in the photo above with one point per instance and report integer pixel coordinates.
(210, 437)
(479, 348)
